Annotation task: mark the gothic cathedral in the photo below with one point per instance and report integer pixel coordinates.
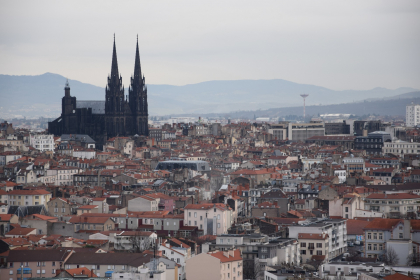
(116, 116)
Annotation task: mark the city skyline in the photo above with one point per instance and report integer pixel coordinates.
(353, 45)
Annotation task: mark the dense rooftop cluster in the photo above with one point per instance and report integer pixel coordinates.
(229, 201)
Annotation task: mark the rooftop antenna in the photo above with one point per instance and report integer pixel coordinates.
(304, 98)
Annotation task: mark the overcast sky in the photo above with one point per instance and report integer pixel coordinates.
(335, 44)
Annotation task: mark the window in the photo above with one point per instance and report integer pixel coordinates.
(319, 252)
(189, 214)
(380, 235)
(201, 218)
(369, 235)
(303, 244)
(218, 216)
(401, 235)
(218, 225)
(369, 246)
(319, 245)
(195, 214)
(375, 247)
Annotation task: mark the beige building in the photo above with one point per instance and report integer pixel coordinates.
(313, 244)
(29, 197)
(216, 265)
(92, 223)
(59, 207)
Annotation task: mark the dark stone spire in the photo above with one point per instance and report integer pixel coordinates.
(114, 67)
(137, 66)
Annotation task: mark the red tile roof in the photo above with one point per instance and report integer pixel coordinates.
(221, 256)
(384, 224)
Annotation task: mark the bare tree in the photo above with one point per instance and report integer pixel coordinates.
(253, 269)
(140, 242)
(391, 257)
(413, 260)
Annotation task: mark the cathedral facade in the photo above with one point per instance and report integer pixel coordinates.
(116, 116)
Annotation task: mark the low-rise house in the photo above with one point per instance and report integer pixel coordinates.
(60, 207)
(87, 209)
(5, 221)
(20, 232)
(92, 223)
(33, 263)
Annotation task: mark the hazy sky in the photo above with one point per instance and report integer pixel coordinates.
(335, 44)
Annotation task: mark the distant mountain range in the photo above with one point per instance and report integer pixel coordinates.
(33, 96)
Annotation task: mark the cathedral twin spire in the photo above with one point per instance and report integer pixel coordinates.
(137, 101)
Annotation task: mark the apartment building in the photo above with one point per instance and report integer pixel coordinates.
(216, 265)
(412, 115)
(335, 229)
(373, 142)
(396, 205)
(312, 244)
(400, 148)
(212, 218)
(63, 175)
(42, 142)
(296, 131)
(33, 263)
(354, 164)
(381, 234)
(7, 157)
(29, 197)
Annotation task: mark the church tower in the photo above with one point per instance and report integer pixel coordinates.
(114, 100)
(138, 99)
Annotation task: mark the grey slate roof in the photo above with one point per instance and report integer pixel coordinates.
(77, 137)
(98, 107)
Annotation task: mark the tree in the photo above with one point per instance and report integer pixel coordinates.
(140, 242)
(391, 257)
(413, 260)
(253, 269)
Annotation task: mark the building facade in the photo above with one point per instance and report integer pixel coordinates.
(412, 115)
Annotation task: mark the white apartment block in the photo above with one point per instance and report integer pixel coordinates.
(335, 229)
(412, 115)
(213, 219)
(400, 148)
(42, 142)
